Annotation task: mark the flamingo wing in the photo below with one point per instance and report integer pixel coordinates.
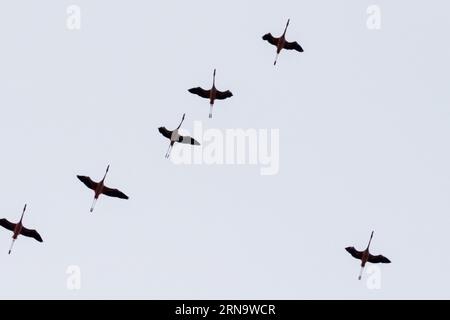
(355, 253)
(31, 233)
(7, 225)
(88, 182)
(378, 259)
(188, 140)
(293, 46)
(200, 92)
(271, 39)
(223, 95)
(114, 193)
(166, 133)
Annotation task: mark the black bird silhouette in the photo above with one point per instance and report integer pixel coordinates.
(281, 43)
(100, 188)
(365, 256)
(212, 94)
(18, 228)
(174, 136)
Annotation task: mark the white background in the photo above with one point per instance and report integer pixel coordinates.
(364, 128)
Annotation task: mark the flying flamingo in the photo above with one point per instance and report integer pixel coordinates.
(365, 256)
(281, 43)
(100, 188)
(174, 136)
(18, 228)
(212, 94)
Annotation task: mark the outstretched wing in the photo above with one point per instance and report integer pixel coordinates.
(188, 140)
(355, 253)
(200, 92)
(7, 225)
(88, 182)
(293, 46)
(114, 193)
(166, 133)
(223, 95)
(378, 259)
(31, 233)
(271, 39)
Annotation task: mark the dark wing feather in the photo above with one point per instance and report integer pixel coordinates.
(271, 39)
(7, 225)
(355, 253)
(378, 259)
(31, 233)
(200, 92)
(88, 182)
(188, 140)
(114, 193)
(223, 95)
(293, 46)
(166, 133)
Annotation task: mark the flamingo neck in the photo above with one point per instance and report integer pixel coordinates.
(23, 213)
(104, 177)
(285, 29)
(370, 240)
(182, 120)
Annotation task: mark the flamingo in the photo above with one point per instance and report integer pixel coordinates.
(365, 256)
(212, 94)
(281, 43)
(174, 136)
(100, 188)
(18, 228)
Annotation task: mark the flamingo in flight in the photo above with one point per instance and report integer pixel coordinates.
(365, 256)
(18, 228)
(100, 188)
(281, 43)
(174, 136)
(212, 94)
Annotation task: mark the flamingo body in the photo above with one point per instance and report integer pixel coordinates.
(19, 229)
(281, 43)
(174, 136)
(365, 256)
(100, 188)
(213, 94)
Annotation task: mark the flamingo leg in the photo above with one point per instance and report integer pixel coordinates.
(360, 273)
(276, 59)
(168, 151)
(93, 204)
(210, 110)
(10, 248)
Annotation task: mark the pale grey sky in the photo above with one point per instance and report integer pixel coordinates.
(364, 134)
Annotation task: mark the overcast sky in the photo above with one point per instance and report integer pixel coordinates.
(363, 117)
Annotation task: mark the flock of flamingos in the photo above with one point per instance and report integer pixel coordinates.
(213, 94)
